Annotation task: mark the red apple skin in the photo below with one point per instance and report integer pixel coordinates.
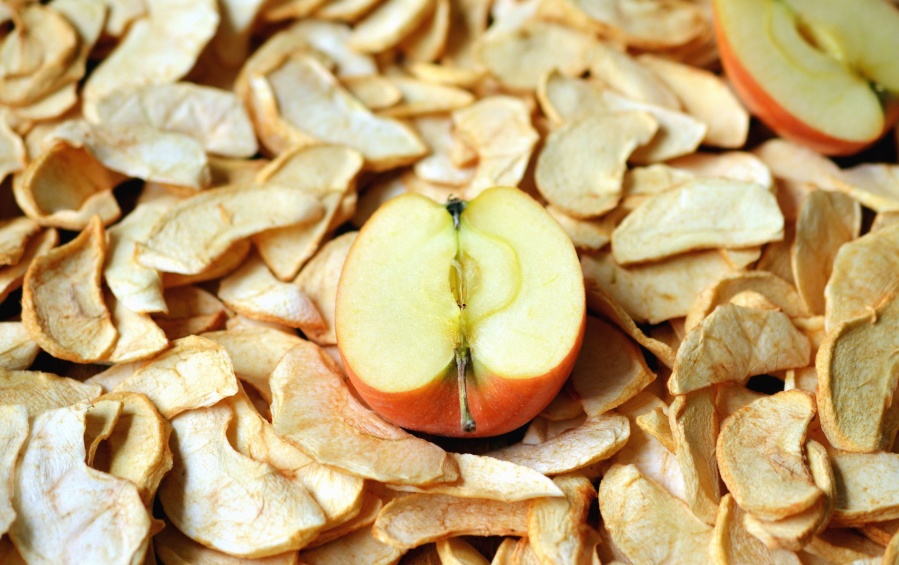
(763, 106)
(498, 405)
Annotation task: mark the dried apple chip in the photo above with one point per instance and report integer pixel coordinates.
(865, 487)
(190, 310)
(421, 98)
(736, 165)
(732, 544)
(14, 235)
(857, 380)
(356, 548)
(438, 167)
(313, 407)
(17, 349)
(12, 150)
(557, 526)
(388, 24)
(762, 444)
(659, 25)
(13, 433)
(66, 510)
(615, 68)
(139, 336)
(735, 343)
(428, 41)
(174, 548)
(694, 426)
(700, 214)
(318, 280)
(872, 184)
(455, 551)
(581, 166)
(39, 392)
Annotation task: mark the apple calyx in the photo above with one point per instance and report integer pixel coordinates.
(455, 207)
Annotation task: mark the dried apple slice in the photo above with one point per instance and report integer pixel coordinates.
(14, 432)
(319, 279)
(139, 336)
(65, 316)
(694, 426)
(420, 98)
(17, 349)
(174, 548)
(14, 235)
(190, 310)
(388, 24)
(356, 548)
(556, 525)
(12, 151)
(732, 544)
(617, 69)
(40, 392)
(865, 488)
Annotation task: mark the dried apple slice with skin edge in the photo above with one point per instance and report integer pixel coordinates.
(490, 271)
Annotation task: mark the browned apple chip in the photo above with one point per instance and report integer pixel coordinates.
(762, 443)
(313, 407)
(556, 526)
(190, 310)
(39, 392)
(357, 548)
(67, 511)
(14, 236)
(318, 280)
(13, 433)
(17, 349)
(455, 551)
(418, 519)
(693, 423)
(734, 343)
(647, 523)
(174, 548)
(388, 24)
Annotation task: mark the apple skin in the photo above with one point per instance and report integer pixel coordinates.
(498, 405)
(766, 108)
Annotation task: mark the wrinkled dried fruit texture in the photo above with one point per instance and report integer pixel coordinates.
(139, 336)
(610, 368)
(367, 512)
(614, 67)
(17, 349)
(190, 310)
(14, 235)
(647, 523)
(596, 439)
(733, 545)
(656, 26)
(62, 302)
(557, 526)
(12, 151)
(872, 184)
(174, 548)
(735, 343)
(356, 548)
(228, 501)
(582, 164)
(700, 214)
(417, 519)
(13, 433)
(857, 378)
(319, 279)
(388, 24)
(481, 476)
(865, 275)
(191, 235)
(419, 98)
(313, 407)
(455, 551)
(193, 373)
(68, 512)
(866, 487)
(38, 392)
(760, 455)
(694, 426)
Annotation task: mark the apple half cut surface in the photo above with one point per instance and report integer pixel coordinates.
(824, 73)
(461, 319)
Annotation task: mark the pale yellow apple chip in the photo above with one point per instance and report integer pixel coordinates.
(865, 275)
(318, 280)
(39, 392)
(228, 501)
(356, 548)
(499, 130)
(866, 487)
(610, 368)
(659, 25)
(156, 50)
(193, 373)
(215, 219)
(139, 336)
(215, 118)
(557, 526)
(733, 545)
(581, 166)
(370, 507)
(617, 69)
(656, 424)
(62, 303)
(762, 444)
(647, 523)
(375, 91)
(428, 41)
(13, 433)
(589, 235)
(324, 172)
(418, 519)
(313, 407)
(223, 265)
(693, 423)
(388, 24)
(190, 310)
(481, 476)
(68, 511)
(421, 98)
(598, 438)
(873, 185)
(174, 548)
(700, 214)
(438, 167)
(734, 343)
(12, 150)
(455, 551)
(736, 165)
(17, 349)
(839, 545)
(14, 236)
(854, 417)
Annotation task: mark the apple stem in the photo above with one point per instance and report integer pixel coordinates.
(455, 207)
(467, 421)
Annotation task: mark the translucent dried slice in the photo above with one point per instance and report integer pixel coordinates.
(388, 24)
(356, 548)
(647, 523)
(193, 373)
(375, 91)
(190, 311)
(694, 427)
(610, 368)
(481, 476)
(62, 303)
(556, 525)
(865, 487)
(14, 235)
(313, 407)
(418, 519)
(857, 379)
(428, 41)
(581, 166)
(827, 220)
(39, 392)
(865, 274)
(17, 349)
(215, 219)
(499, 130)
(617, 69)
(68, 511)
(760, 455)
(228, 501)
(732, 544)
(13, 433)
(706, 97)
(421, 98)
(139, 336)
(215, 118)
(318, 280)
(455, 551)
(327, 173)
(699, 214)
(174, 548)
(598, 438)
(735, 343)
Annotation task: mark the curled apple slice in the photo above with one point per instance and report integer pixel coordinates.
(464, 319)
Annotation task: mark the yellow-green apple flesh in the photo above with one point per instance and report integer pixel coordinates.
(460, 315)
(823, 73)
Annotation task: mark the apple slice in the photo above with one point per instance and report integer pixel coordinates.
(819, 72)
(463, 319)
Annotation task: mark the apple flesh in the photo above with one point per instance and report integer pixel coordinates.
(460, 319)
(819, 72)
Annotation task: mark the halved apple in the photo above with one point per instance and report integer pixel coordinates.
(823, 73)
(462, 319)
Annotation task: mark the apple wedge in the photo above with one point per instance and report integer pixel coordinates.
(819, 72)
(462, 319)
